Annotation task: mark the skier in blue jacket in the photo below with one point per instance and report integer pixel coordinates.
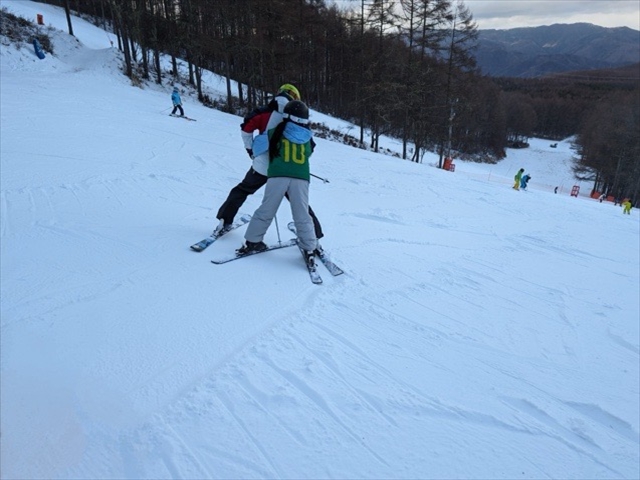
(177, 102)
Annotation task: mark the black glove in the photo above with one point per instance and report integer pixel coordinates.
(250, 152)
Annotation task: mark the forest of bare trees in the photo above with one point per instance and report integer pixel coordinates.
(403, 68)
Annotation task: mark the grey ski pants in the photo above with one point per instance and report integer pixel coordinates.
(298, 191)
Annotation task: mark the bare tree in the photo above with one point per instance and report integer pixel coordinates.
(67, 11)
(464, 34)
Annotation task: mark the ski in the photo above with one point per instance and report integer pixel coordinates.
(275, 246)
(334, 269)
(182, 116)
(205, 242)
(311, 267)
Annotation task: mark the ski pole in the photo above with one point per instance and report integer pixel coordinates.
(277, 229)
(324, 180)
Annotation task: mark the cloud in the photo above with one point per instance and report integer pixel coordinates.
(503, 14)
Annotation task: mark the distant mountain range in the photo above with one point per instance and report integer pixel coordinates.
(547, 50)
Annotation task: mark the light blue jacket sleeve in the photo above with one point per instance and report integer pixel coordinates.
(260, 144)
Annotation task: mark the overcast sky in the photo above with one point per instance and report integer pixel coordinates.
(503, 14)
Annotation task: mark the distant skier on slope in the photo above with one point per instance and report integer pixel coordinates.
(177, 102)
(524, 181)
(627, 206)
(517, 178)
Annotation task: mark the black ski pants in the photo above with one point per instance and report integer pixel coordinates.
(178, 107)
(250, 184)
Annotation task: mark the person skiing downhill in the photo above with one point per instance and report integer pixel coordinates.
(524, 181)
(261, 120)
(290, 147)
(177, 102)
(517, 179)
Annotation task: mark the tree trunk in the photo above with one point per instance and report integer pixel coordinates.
(156, 58)
(67, 11)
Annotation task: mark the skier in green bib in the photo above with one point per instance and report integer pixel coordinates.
(290, 147)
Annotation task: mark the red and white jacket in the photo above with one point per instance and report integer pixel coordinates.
(262, 122)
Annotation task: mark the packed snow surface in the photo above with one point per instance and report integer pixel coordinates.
(478, 332)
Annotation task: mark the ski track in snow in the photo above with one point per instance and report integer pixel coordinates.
(299, 371)
(282, 373)
(294, 372)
